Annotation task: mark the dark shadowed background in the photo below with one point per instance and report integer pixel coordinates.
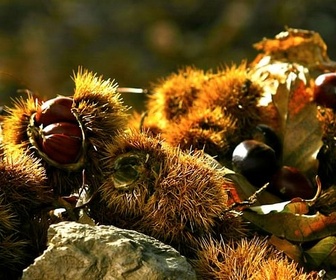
(137, 42)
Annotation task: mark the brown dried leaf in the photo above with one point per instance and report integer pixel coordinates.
(292, 226)
(245, 190)
(304, 47)
(291, 250)
(324, 252)
(287, 86)
(326, 202)
(301, 130)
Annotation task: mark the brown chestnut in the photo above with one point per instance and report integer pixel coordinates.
(61, 142)
(288, 182)
(255, 160)
(325, 90)
(55, 110)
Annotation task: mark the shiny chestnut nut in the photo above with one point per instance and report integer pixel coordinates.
(267, 135)
(55, 110)
(61, 142)
(325, 90)
(288, 182)
(57, 134)
(255, 160)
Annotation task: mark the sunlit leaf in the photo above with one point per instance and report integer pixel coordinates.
(294, 227)
(287, 86)
(268, 208)
(301, 130)
(321, 253)
(305, 47)
(293, 251)
(245, 190)
(296, 207)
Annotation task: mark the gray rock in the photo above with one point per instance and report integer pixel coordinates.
(81, 251)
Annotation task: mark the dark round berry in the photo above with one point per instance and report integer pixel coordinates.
(325, 90)
(255, 160)
(288, 182)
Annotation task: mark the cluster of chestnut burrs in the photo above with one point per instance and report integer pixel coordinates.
(162, 173)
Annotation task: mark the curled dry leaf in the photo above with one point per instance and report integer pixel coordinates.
(301, 131)
(294, 251)
(245, 190)
(291, 223)
(323, 253)
(305, 47)
(287, 84)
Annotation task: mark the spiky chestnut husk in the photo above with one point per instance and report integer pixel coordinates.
(100, 113)
(235, 91)
(162, 192)
(233, 94)
(141, 122)
(173, 96)
(24, 181)
(205, 129)
(211, 130)
(13, 250)
(245, 259)
(103, 115)
(17, 120)
(16, 139)
(23, 223)
(238, 93)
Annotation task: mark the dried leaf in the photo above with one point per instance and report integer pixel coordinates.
(268, 208)
(322, 253)
(291, 250)
(326, 202)
(294, 207)
(304, 47)
(245, 190)
(292, 226)
(301, 130)
(287, 86)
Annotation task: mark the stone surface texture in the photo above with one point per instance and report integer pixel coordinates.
(81, 251)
